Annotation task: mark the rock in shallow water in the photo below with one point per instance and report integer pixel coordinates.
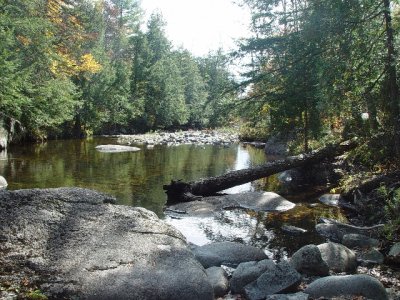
(308, 260)
(247, 272)
(354, 240)
(330, 199)
(338, 257)
(267, 201)
(280, 279)
(116, 148)
(227, 253)
(257, 201)
(94, 250)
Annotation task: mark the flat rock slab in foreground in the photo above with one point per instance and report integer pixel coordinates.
(78, 247)
(116, 148)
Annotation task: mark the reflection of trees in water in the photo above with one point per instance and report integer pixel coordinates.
(238, 226)
(263, 230)
(134, 178)
(302, 216)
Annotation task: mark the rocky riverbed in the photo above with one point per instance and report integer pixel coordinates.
(200, 137)
(72, 243)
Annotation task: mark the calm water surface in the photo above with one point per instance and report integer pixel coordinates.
(136, 178)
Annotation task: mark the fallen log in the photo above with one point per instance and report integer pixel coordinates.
(179, 191)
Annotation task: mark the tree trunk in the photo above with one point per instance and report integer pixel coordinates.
(179, 191)
(392, 77)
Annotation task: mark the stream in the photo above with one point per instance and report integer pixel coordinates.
(136, 179)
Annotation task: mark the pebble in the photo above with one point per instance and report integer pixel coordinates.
(203, 137)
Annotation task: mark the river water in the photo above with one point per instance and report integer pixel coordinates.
(136, 179)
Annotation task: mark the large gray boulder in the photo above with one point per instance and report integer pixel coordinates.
(349, 285)
(308, 260)
(283, 278)
(247, 272)
(80, 246)
(227, 253)
(338, 257)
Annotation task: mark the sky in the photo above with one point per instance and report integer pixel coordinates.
(201, 26)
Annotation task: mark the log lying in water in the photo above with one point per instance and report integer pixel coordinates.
(179, 191)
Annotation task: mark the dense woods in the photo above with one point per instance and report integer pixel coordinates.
(73, 68)
(318, 70)
(324, 67)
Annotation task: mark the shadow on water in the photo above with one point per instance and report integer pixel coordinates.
(136, 179)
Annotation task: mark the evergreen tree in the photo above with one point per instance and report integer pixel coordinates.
(195, 88)
(321, 63)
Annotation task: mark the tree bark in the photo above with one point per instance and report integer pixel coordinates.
(179, 191)
(394, 95)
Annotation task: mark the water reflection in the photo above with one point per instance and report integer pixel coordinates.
(242, 162)
(134, 178)
(259, 229)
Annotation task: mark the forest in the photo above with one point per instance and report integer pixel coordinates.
(320, 70)
(76, 68)
(315, 68)
(320, 77)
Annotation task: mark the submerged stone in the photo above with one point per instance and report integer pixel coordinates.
(330, 199)
(267, 201)
(293, 229)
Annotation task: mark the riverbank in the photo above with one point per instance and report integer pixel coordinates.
(75, 243)
(197, 137)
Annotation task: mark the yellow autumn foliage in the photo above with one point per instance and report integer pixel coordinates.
(65, 65)
(89, 64)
